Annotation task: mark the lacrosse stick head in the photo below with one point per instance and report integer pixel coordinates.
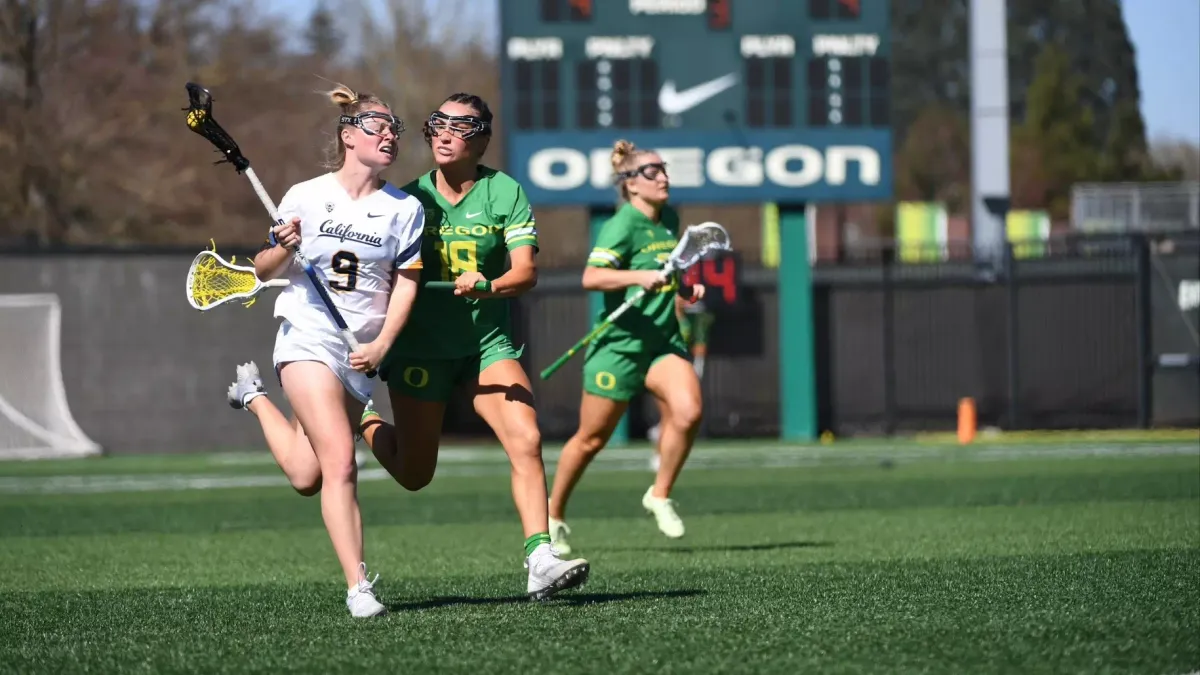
(699, 242)
(200, 120)
(213, 281)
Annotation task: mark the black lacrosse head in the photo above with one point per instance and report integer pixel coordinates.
(200, 120)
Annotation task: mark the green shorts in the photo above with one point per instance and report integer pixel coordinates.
(619, 375)
(435, 379)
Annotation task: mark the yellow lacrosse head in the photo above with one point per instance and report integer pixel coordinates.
(213, 281)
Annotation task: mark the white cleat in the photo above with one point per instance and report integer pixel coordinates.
(549, 574)
(559, 532)
(361, 600)
(663, 510)
(246, 387)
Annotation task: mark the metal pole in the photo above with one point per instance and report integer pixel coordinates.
(1014, 351)
(989, 129)
(1142, 299)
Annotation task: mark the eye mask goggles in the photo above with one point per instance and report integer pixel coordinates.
(647, 171)
(374, 123)
(461, 126)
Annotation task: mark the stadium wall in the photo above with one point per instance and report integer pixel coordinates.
(1063, 341)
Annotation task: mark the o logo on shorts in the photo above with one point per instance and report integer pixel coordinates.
(416, 377)
(606, 380)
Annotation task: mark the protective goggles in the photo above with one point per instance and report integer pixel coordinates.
(462, 126)
(647, 171)
(374, 123)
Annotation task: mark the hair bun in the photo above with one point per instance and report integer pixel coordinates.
(622, 150)
(342, 96)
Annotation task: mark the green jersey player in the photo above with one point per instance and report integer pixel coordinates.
(476, 218)
(642, 349)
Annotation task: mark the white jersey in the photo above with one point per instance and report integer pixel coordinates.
(356, 245)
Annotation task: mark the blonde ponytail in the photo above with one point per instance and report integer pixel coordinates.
(350, 103)
(623, 155)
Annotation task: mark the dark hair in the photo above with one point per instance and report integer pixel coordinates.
(475, 102)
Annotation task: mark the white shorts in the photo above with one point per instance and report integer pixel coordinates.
(296, 344)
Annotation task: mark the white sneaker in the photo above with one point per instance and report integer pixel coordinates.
(549, 574)
(246, 387)
(361, 600)
(559, 532)
(669, 522)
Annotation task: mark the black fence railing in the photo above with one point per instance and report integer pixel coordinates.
(1058, 336)
(1038, 343)
(1085, 332)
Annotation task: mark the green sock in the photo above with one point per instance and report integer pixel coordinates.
(535, 541)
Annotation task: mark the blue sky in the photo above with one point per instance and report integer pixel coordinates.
(1165, 35)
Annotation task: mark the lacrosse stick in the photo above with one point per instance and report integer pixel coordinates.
(484, 286)
(697, 243)
(200, 120)
(213, 281)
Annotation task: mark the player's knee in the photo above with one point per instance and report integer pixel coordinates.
(591, 444)
(340, 471)
(685, 413)
(307, 486)
(525, 444)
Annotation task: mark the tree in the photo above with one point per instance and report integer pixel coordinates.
(93, 141)
(1029, 184)
(1063, 130)
(321, 35)
(1179, 157)
(934, 162)
(931, 56)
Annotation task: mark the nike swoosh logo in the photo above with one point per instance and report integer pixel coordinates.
(376, 215)
(472, 215)
(674, 102)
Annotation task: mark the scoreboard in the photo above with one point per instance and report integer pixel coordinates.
(747, 100)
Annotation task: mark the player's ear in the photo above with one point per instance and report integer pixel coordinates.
(347, 136)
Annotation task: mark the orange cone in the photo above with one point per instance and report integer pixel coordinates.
(966, 420)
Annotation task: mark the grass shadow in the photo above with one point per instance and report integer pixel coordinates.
(566, 598)
(729, 548)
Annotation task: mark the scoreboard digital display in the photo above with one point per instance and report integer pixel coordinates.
(747, 100)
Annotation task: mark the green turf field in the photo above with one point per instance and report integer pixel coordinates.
(859, 557)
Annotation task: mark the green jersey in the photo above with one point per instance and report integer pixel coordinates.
(475, 235)
(631, 241)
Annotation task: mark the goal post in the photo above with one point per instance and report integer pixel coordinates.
(35, 419)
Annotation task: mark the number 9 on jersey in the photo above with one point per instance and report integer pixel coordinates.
(345, 264)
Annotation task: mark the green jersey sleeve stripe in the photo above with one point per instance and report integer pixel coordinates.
(607, 251)
(523, 232)
(510, 226)
(603, 258)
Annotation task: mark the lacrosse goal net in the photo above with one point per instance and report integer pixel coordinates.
(35, 420)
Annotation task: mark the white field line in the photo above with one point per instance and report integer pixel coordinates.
(492, 461)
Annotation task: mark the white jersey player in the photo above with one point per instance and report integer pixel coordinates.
(356, 245)
(363, 235)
